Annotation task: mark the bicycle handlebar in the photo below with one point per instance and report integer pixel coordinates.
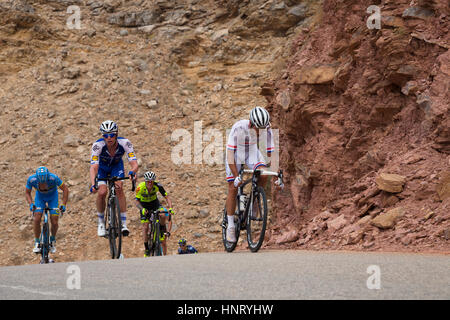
(278, 174)
(46, 208)
(43, 209)
(114, 179)
(263, 172)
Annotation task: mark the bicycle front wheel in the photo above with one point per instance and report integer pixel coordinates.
(153, 240)
(257, 219)
(112, 230)
(157, 247)
(229, 246)
(45, 243)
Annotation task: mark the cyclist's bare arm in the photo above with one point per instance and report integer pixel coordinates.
(65, 190)
(134, 166)
(168, 201)
(138, 205)
(231, 163)
(93, 173)
(28, 196)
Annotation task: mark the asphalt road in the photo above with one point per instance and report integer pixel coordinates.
(266, 275)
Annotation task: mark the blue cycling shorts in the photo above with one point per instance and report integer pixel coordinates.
(116, 170)
(51, 200)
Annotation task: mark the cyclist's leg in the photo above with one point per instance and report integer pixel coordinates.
(261, 163)
(164, 239)
(255, 161)
(164, 220)
(101, 197)
(54, 215)
(230, 204)
(40, 205)
(232, 190)
(145, 225)
(102, 191)
(118, 171)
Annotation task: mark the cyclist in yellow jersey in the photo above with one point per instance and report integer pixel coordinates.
(147, 201)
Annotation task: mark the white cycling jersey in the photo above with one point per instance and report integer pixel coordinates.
(244, 141)
(242, 136)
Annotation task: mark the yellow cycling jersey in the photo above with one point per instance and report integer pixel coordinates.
(144, 195)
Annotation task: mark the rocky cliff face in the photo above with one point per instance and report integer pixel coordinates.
(355, 104)
(154, 67)
(351, 104)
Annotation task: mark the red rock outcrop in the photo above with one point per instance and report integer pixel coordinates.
(354, 103)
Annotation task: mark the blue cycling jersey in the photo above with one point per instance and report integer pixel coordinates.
(45, 189)
(189, 249)
(100, 154)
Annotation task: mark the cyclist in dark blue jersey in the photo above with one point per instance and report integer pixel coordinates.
(185, 248)
(106, 159)
(46, 185)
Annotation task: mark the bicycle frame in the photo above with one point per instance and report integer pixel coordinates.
(246, 217)
(114, 227)
(45, 235)
(111, 185)
(242, 214)
(153, 232)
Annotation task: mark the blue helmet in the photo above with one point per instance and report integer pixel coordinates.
(42, 174)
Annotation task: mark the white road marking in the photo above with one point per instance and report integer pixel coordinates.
(30, 290)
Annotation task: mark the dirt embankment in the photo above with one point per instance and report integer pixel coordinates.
(154, 67)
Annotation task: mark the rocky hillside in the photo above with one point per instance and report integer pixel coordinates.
(351, 104)
(155, 67)
(366, 138)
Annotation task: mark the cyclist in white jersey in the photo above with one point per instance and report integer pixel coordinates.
(242, 147)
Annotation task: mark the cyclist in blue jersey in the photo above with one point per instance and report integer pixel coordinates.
(106, 159)
(46, 184)
(185, 248)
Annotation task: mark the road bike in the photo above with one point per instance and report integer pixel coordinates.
(113, 221)
(154, 233)
(44, 239)
(251, 211)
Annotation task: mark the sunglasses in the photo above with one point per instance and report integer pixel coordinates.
(109, 135)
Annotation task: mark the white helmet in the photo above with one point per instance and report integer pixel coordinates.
(149, 176)
(108, 126)
(259, 117)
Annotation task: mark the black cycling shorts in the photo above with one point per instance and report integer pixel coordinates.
(150, 206)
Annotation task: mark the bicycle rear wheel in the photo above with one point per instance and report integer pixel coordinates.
(229, 246)
(257, 219)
